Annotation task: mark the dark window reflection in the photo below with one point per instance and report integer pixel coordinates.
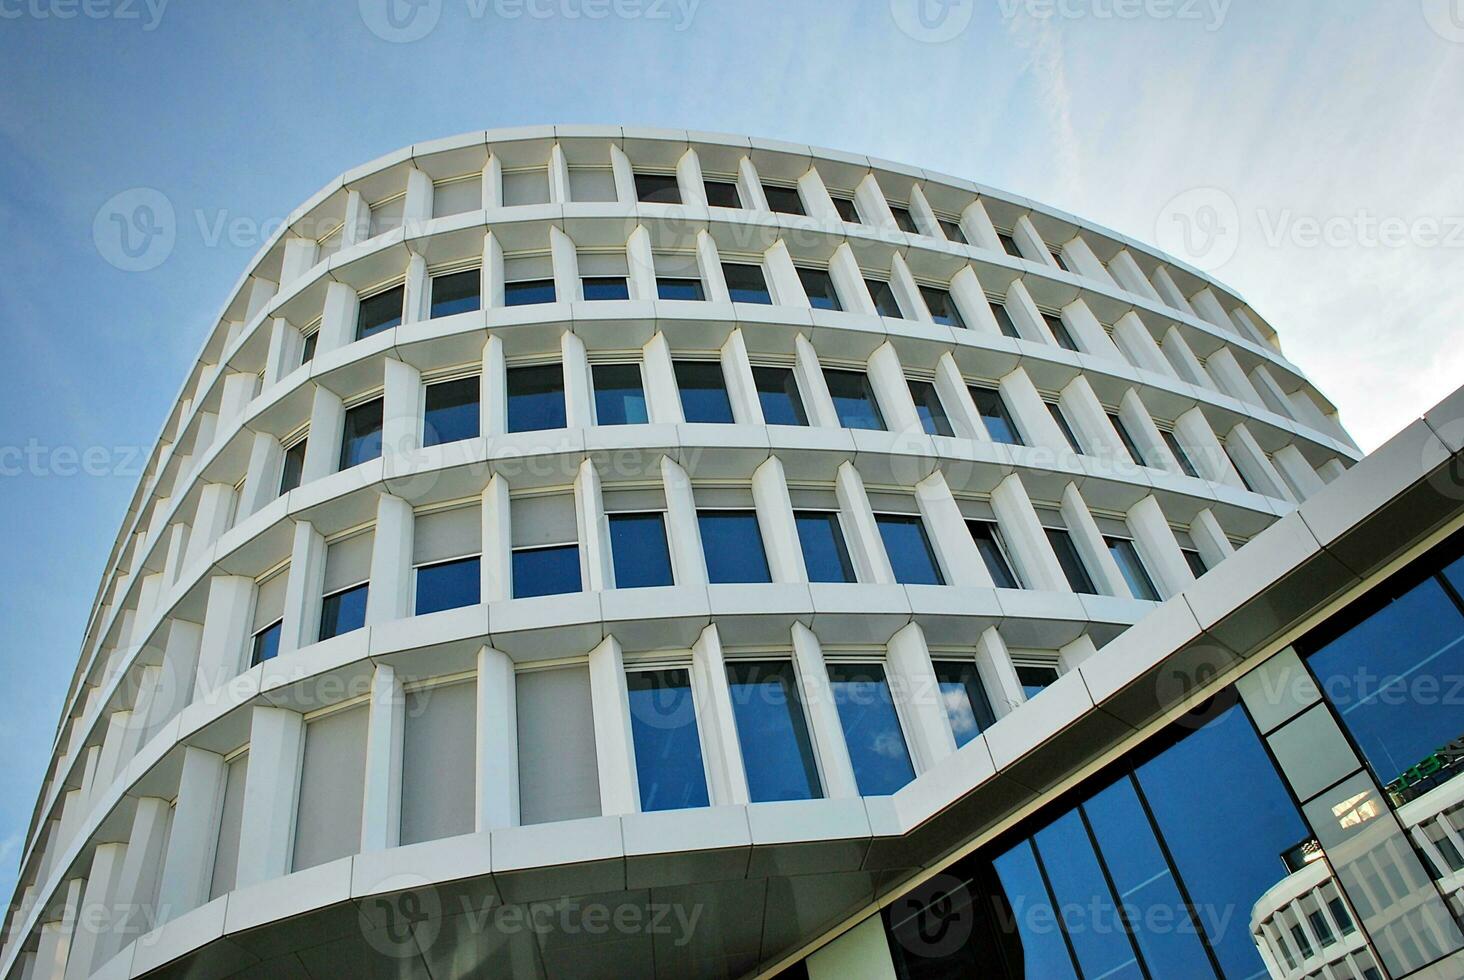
(776, 750)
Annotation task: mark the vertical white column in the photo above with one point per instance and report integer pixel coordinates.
(1081, 408)
(141, 876)
(970, 298)
(1084, 262)
(188, 867)
(497, 562)
(907, 291)
(923, 213)
(689, 179)
(323, 451)
(416, 291)
(1091, 547)
(417, 206)
(381, 798)
(749, 185)
(614, 746)
(663, 399)
(848, 281)
(1025, 315)
(1025, 537)
(955, 395)
(1178, 351)
(496, 795)
(239, 390)
(338, 319)
(641, 266)
(826, 731)
(492, 277)
(1030, 243)
(258, 293)
(1231, 377)
(741, 385)
(866, 548)
(174, 558)
(775, 519)
(1244, 448)
(216, 504)
(558, 175)
(1135, 340)
(817, 402)
(1209, 538)
(578, 407)
(1158, 547)
(1032, 417)
(493, 390)
(493, 182)
(1072, 655)
(596, 567)
(401, 414)
(298, 258)
(709, 264)
(1087, 331)
(180, 668)
(111, 760)
(912, 677)
(56, 935)
(226, 623)
(271, 789)
(1140, 424)
(977, 227)
(726, 777)
(97, 910)
(303, 589)
(1130, 276)
(624, 175)
(1207, 306)
(262, 479)
(816, 198)
(358, 220)
(1297, 471)
(682, 534)
(1193, 431)
(870, 201)
(565, 260)
(782, 275)
(948, 534)
(1270, 391)
(998, 676)
(891, 390)
(390, 595)
(1169, 292)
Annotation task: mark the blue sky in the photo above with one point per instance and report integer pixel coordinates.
(1315, 143)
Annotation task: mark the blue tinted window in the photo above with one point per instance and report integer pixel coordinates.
(380, 312)
(605, 287)
(673, 287)
(1089, 913)
(458, 292)
(638, 549)
(908, 548)
(998, 420)
(871, 728)
(1072, 563)
(942, 308)
(776, 750)
(746, 283)
(546, 571)
(1394, 678)
(535, 398)
(703, 391)
(266, 644)
(668, 759)
(988, 541)
(1226, 818)
(825, 555)
(964, 698)
(777, 393)
(1035, 679)
(854, 399)
(361, 436)
(448, 585)
(1127, 557)
(620, 399)
(885, 303)
(342, 612)
(528, 292)
(733, 546)
(451, 411)
(818, 285)
(1043, 952)
(932, 413)
(294, 467)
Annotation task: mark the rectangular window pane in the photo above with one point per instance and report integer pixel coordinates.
(451, 411)
(343, 611)
(928, 406)
(846, 209)
(722, 194)
(558, 772)
(783, 199)
(885, 303)
(1004, 321)
(668, 758)
(993, 411)
(1128, 440)
(449, 585)
(871, 728)
(1056, 254)
(733, 546)
(1060, 331)
(638, 549)
(987, 536)
(546, 571)
(456, 292)
(307, 354)
(1035, 678)
(908, 548)
(657, 189)
(1127, 557)
(703, 391)
(1043, 952)
(854, 399)
(819, 287)
(528, 292)
(361, 437)
(777, 393)
(1180, 455)
(620, 398)
(266, 645)
(535, 398)
(952, 231)
(746, 283)
(598, 288)
(294, 467)
(825, 555)
(942, 308)
(673, 287)
(1073, 568)
(964, 699)
(1194, 561)
(1084, 900)
(380, 312)
(903, 219)
(1067, 430)
(776, 750)
(1009, 244)
(439, 760)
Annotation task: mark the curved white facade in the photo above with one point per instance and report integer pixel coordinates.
(970, 363)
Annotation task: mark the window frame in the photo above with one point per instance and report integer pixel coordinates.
(435, 563)
(640, 370)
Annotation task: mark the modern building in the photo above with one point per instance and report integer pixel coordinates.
(585, 551)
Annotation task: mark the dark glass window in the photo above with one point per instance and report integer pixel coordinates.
(266, 645)
(904, 220)
(885, 303)
(746, 283)
(528, 292)
(783, 199)
(1127, 557)
(776, 750)
(1004, 321)
(732, 544)
(953, 231)
(825, 555)
(1009, 244)
(819, 286)
(294, 467)
(908, 547)
(1131, 447)
(344, 611)
(1073, 568)
(598, 288)
(1338, 909)
(1060, 331)
(987, 536)
(457, 292)
(854, 399)
(657, 189)
(380, 312)
(668, 759)
(535, 398)
(1180, 456)
(1035, 678)
(1084, 900)
(932, 413)
(777, 393)
(964, 697)
(678, 287)
(308, 353)
(722, 194)
(638, 549)
(703, 391)
(449, 585)
(361, 435)
(620, 398)
(1060, 417)
(871, 728)
(451, 411)
(993, 411)
(546, 571)
(1194, 561)
(1057, 257)
(942, 307)
(846, 209)
(1321, 927)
